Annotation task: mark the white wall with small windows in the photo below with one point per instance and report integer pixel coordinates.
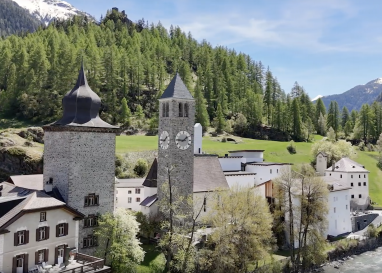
(339, 218)
(130, 193)
(34, 238)
(267, 171)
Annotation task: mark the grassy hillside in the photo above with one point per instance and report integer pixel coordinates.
(275, 151)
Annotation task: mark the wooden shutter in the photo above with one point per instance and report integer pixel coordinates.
(15, 239)
(47, 229)
(66, 228)
(25, 267)
(36, 261)
(27, 236)
(14, 264)
(46, 255)
(56, 255)
(37, 235)
(57, 231)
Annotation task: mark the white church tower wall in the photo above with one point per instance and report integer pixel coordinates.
(321, 163)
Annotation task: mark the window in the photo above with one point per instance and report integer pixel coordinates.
(21, 237)
(137, 191)
(360, 195)
(359, 183)
(60, 251)
(277, 170)
(270, 171)
(346, 207)
(364, 183)
(89, 241)
(91, 221)
(340, 175)
(352, 184)
(129, 200)
(163, 110)
(351, 176)
(364, 176)
(180, 110)
(352, 196)
(330, 174)
(19, 262)
(128, 192)
(205, 204)
(91, 200)
(334, 210)
(138, 199)
(42, 216)
(42, 233)
(62, 229)
(185, 110)
(359, 176)
(41, 256)
(167, 109)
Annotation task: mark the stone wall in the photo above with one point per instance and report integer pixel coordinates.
(82, 163)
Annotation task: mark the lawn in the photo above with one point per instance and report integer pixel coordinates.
(275, 151)
(153, 262)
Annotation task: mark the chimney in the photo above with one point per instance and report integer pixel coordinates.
(48, 187)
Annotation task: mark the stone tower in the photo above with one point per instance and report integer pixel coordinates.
(79, 159)
(176, 137)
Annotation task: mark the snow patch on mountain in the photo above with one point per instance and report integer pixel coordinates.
(47, 10)
(376, 81)
(316, 98)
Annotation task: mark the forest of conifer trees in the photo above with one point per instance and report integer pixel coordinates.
(131, 64)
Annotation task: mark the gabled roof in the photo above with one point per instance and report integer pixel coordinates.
(151, 178)
(208, 174)
(177, 89)
(31, 200)
(31, 181)
(345, 164)
(323, 154)
(149, 201)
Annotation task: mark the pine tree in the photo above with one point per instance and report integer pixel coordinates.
(220, 120)
(297, 123)
(125, 113)
(333, 116)
(345, 116)
(201, 115)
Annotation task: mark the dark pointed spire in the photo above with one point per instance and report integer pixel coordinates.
(177, 89)
(81, 105)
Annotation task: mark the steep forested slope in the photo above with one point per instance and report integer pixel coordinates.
(135, 61)
(15, 19)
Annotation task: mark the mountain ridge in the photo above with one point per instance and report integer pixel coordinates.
(356, 96)
(48, 10)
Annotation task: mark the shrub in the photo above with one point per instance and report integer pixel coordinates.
(141, 167)
(361, 146)
(224, 139)
(372, 231)
(15, 151)
(291, 147)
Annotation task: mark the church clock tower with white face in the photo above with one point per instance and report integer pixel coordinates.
(176, 132)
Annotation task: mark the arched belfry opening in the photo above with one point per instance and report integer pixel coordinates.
(185, 110)
(180, 109)
(167, 109)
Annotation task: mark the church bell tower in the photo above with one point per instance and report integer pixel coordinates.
(176, 137)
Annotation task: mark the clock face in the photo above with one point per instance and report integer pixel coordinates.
(183, 140)
(164, 140)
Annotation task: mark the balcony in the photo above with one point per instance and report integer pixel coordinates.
(83, 263)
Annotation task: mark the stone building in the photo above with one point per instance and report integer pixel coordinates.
(79, 159)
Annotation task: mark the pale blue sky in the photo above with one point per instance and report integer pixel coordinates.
(328, 46)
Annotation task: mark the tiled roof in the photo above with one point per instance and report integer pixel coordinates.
(32, 200)
(130, 183)
(177, 89)
(149, 200)
(151, 178)
(32, 181)
(208, 174)
(238, 173)
(345, 164)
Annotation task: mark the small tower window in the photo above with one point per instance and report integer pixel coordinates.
(167, 109)
(185, 110)
(164, 110)
(180, 110)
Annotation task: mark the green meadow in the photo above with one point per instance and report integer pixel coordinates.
(275, 151)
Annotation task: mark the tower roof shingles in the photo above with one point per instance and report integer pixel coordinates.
(177, 89)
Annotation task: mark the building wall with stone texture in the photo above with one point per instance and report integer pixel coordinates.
(82, 163)
(182, 161)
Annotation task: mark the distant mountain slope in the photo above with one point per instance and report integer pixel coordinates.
(358, 95)
(15, 19)
(48, 10)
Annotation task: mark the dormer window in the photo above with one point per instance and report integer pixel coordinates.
(180, 110)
